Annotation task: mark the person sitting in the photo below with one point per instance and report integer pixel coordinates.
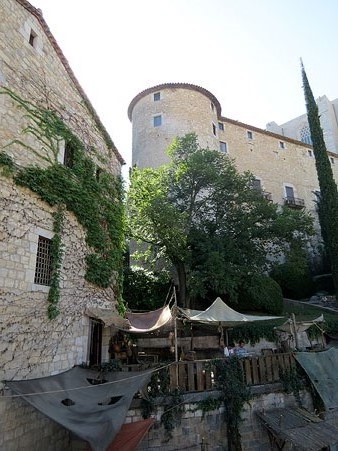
(240, 351)
(228, 351)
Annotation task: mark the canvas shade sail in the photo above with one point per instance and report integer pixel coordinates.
(301, 326)
(95, 413)
(322, 369)
(220, 313)
(135, 322)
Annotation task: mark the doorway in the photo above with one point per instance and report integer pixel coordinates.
(95, 344)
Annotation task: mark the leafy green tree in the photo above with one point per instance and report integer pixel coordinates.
(208, 221)
(294, 274)
(328, 214)
(144, 289)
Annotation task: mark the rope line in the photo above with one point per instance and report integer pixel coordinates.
(83, 387)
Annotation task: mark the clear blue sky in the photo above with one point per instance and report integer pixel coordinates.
(246, 52)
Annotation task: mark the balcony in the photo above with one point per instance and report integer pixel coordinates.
(267, 196)
(294, 202)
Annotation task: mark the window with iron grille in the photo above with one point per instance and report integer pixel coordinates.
(43, 262)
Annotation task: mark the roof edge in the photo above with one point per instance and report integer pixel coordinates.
(190, 86)
(37, 13)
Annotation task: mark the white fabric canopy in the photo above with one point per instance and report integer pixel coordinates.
(221, 314)
(135, 322)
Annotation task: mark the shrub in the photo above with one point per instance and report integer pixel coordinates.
(261, 293)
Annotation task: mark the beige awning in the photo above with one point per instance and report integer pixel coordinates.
(135, 322)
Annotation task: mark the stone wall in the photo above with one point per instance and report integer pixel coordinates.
(32, 345)
(23, 428)
(40, 73)
(198, 432)
(33, 67)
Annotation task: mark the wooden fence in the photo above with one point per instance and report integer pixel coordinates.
(199, 375)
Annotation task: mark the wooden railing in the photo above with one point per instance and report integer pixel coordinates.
(199, 375)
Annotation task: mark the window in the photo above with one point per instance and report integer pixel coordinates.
(223, 147)
(157, 121)
(305, 135)
(309, 152)
(98, 174)
(43, 262)
(290, 195)
(157, 96)
(214, 129)
(68, 158)
(212, 106)
(256, 184)
(332, 160)
(32, 37)
(281, 144)
(221, 126)
(249, 134)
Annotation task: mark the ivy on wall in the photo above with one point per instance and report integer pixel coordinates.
(56, 251)
(91, 193)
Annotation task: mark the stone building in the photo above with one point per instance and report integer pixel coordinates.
(34, 343)
(284, 167)
(298, 128)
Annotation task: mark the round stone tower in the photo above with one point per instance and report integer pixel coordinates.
(165, 111)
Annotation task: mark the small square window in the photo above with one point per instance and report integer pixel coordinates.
(43, 266)
(157, 121)
(249, 134)
(257, 185)
(281, 144)
(223, 147)
(32, 37)
(332, 160)
(221, 126)
(214, 129)
(309, 152)
(157, 96)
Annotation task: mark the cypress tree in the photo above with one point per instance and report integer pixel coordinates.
(328, 188)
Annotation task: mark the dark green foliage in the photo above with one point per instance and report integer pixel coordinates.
(144, 289)
(172, 415)
(328, 214)
(253, 332)
(7, 164)
(229, 379)
(292, 381)
(294, 276)
(261, 293)
(174, 406)
(57, 251)
(97, 202)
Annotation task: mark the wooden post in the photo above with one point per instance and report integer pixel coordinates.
(175, 336)
(294, 327)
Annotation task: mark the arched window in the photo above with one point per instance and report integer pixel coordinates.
(305, 135)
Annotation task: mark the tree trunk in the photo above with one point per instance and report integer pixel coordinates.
(183, 296)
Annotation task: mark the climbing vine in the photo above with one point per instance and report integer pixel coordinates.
(56, 252)
(292, 382)
(174, 408)
(234, 393)
(92, 194)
